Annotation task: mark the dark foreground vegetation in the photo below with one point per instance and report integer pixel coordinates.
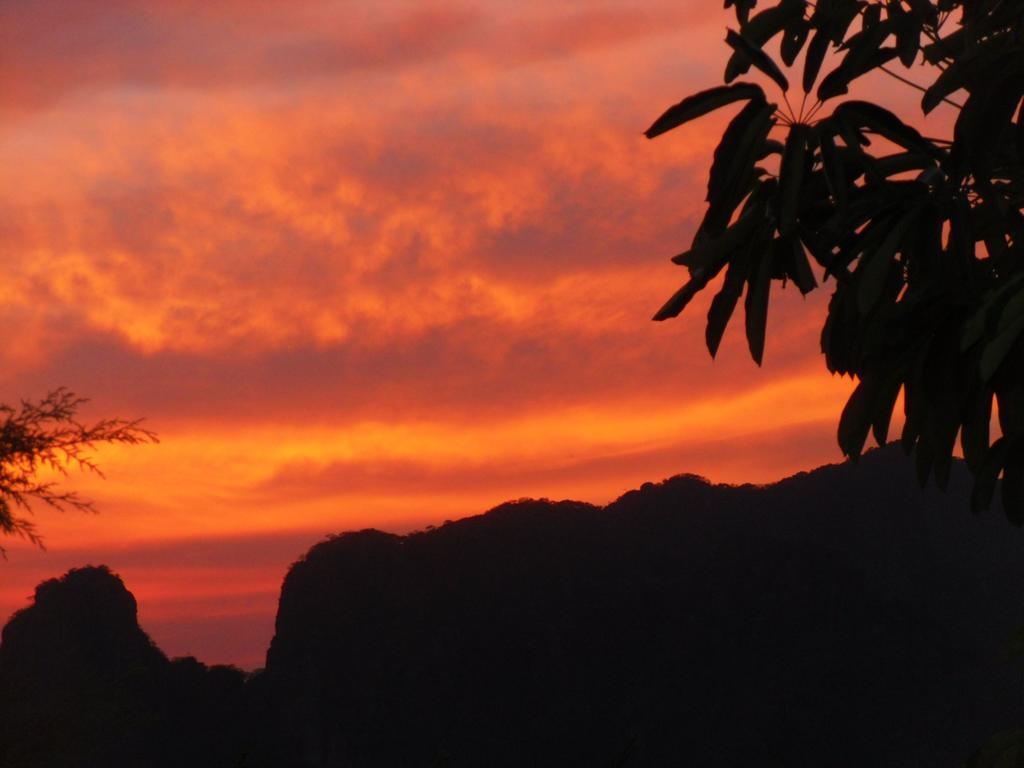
(919, 238)
(840, 617)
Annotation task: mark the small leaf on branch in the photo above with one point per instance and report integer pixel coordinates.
(815, 57)
(885, 123)
(793, 39)
(791, 174)
(855, 421)
(724, 303)
(757, 57)
(701, 104)
(756, 304)
(732, 170)
(677, 303)
(797, 266)
(760, 29)
(859, 59)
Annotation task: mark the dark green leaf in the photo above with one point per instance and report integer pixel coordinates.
(995, 118)
(996, 350)
(841, 18)
(813, 60)
(882, 408)
(949, 47)
(876, 265)
(798, 267)
(942, 374)
(854, 139)
(737, 135)
(724, 303)
(756, 304)
(856, 62)
(743, 9)
(759, 30)
(793, 39)
(891, 165)
(987, 314)
(924, 458)
(679, 300)
(885, 123)
(708, 249)
(791, 174)
(871, 17)
(731, 170)
(924, 12)
(701, 104)
(709, 255)
(757, 57)
(913, 407)
(834, 170)
(855, 421)
(990, 223)
(908, 33)
(838, 335)
(770, 147)
(951, 80)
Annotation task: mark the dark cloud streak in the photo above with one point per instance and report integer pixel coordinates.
(53, 48)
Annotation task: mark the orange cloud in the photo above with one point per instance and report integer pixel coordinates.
(53, 51)
(384, 272)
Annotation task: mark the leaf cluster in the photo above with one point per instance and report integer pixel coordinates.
(922, 238)
(46, 435)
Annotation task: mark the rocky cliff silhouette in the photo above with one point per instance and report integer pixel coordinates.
(82, 685)
(841, 617)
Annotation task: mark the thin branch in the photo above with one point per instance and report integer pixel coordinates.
(793, 114)
(47, 435)
(815, 108)
(783, 118)
(912, 84)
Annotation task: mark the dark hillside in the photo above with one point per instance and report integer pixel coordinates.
(840, 612)
(840, 618)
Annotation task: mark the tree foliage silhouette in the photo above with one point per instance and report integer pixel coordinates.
(922, 237)
(46, 435)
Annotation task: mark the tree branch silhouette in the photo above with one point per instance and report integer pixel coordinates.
(42, 435)
(923, 236)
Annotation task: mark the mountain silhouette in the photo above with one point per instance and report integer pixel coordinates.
(839, 617)
(82, 685)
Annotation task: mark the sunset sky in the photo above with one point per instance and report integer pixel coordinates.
(365, 264)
